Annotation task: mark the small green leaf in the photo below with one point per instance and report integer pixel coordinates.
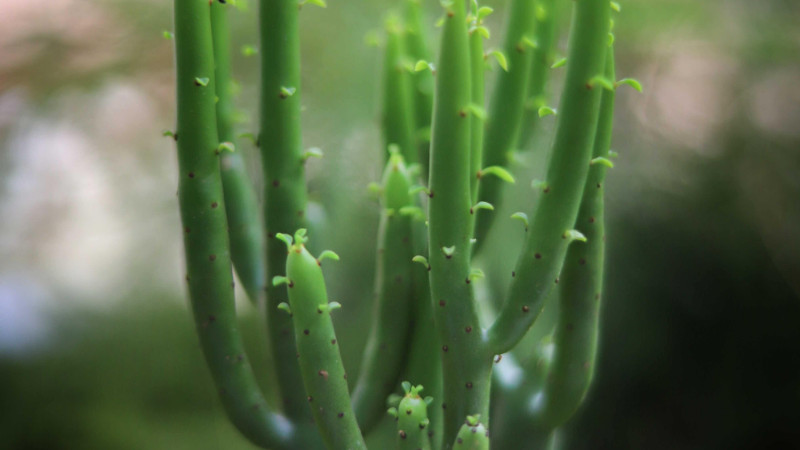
(541, 13)
(610, 39)
(615, 6)
(521, 216)
(249, 50)
(501, 59)
(482, 205)
(320, 3)
(483, 12)
(283, 306)
(424, 422)
(414, 212)
(498, 171)
(483, 31)
(475, 274)
(449, 251)
(612, 154)
(422, 260)
(560, 63)
(375, 189)
(287, 91)
(392, 412)
(477, 111)
(168, 133)
(602, 161)
(414, 190)
(527, 41)
(333, 306)
(278, 280)
(313, 152)
(428, 400)
(249, 136)
(573, 235)
(285, 238)
(201, 81)
(406, 387)
(546, 111)
(604, 82)
(168, 34)
(327, 254)
(539, 184)
(473, 420)
(630, 82)
(300, 236)
(226, 147)
(422, 65)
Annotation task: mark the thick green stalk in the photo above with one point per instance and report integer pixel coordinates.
(209, 274)
(398, 101)
(412, 420)
(506, 107)
(317, 349)
(422, 81)
(544, 55)
(241, 205)
(466, 361)
(540, 262)
(284, 179)
(424, 362)
(387, 344)
(575, 338)
(478, 67)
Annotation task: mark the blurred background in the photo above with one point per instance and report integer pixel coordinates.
(700, 341)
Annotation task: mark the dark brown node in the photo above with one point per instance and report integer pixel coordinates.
(582, 261)
(538, 256)
(525, 308)
(444, 348)
(442, 303)
(468, 329)
(402, 434)
(212, 257)
(469, 385)
(306, 332)
(212, 318)
(310, 398)
(570, 327)
(191, 174)
(340, 415)
(186, 230)
(333, 341)
(598, 185)
(345, 376)
(467, 280)
(460, 441)
(591, 219)
(408, 411)
(214, 204)
(462, 113)
(276, 183)
(513, 274)
(323, 374)
(547, 190)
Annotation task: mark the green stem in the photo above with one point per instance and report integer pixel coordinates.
(387, 344)
(284, 179)
(466, 361)
(422, 81)
(540, 262)
(478, 67)
(321, 366)
(209, 274)
(412, 420)
(548, 14)
(576, 332)
(241, 205)
(506, 107)
(398, 106)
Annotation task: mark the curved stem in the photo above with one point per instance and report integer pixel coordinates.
(540, 263)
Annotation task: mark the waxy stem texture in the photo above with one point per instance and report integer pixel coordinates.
(241, 206)
(539, 265)
(321, 366)
(208, 265)
(284, 179)
(466, 362)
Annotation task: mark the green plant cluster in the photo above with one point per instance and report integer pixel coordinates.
(446, 157)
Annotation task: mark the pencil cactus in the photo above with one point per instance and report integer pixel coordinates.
(446, 157)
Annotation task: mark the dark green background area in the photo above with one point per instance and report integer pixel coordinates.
(700, 339)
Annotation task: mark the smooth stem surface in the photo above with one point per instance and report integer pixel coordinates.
(548, 17)
(318, 351)
(575, 338)
(466, 362)
(284, 180)
(398, 101)
(477, 67)
(209, 274)
(540, 262)
(387, 343)
(422, 82)
(241, 205)
(506, 106)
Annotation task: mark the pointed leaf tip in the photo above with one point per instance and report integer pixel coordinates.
(420, 259)
(602, 81)
(328, 254)
(300, 236)
(482, 205)
(287, 91)
(500, 57)
(631, 82)
(483, 12)
(201, 81)
(616, 7)
(560, 63)
(498, 171)
(449, 251)
(313, 152)
(574, 235)
(249, 50)
(475, 274)
(547, 111)
(477, 111)
(168, 34)
(521, 216)
(406, 386)
(283, 306)
(602, 161)
(226, 147)
(287, 239)
(278, 280)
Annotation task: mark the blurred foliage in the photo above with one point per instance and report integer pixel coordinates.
(700, 342)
